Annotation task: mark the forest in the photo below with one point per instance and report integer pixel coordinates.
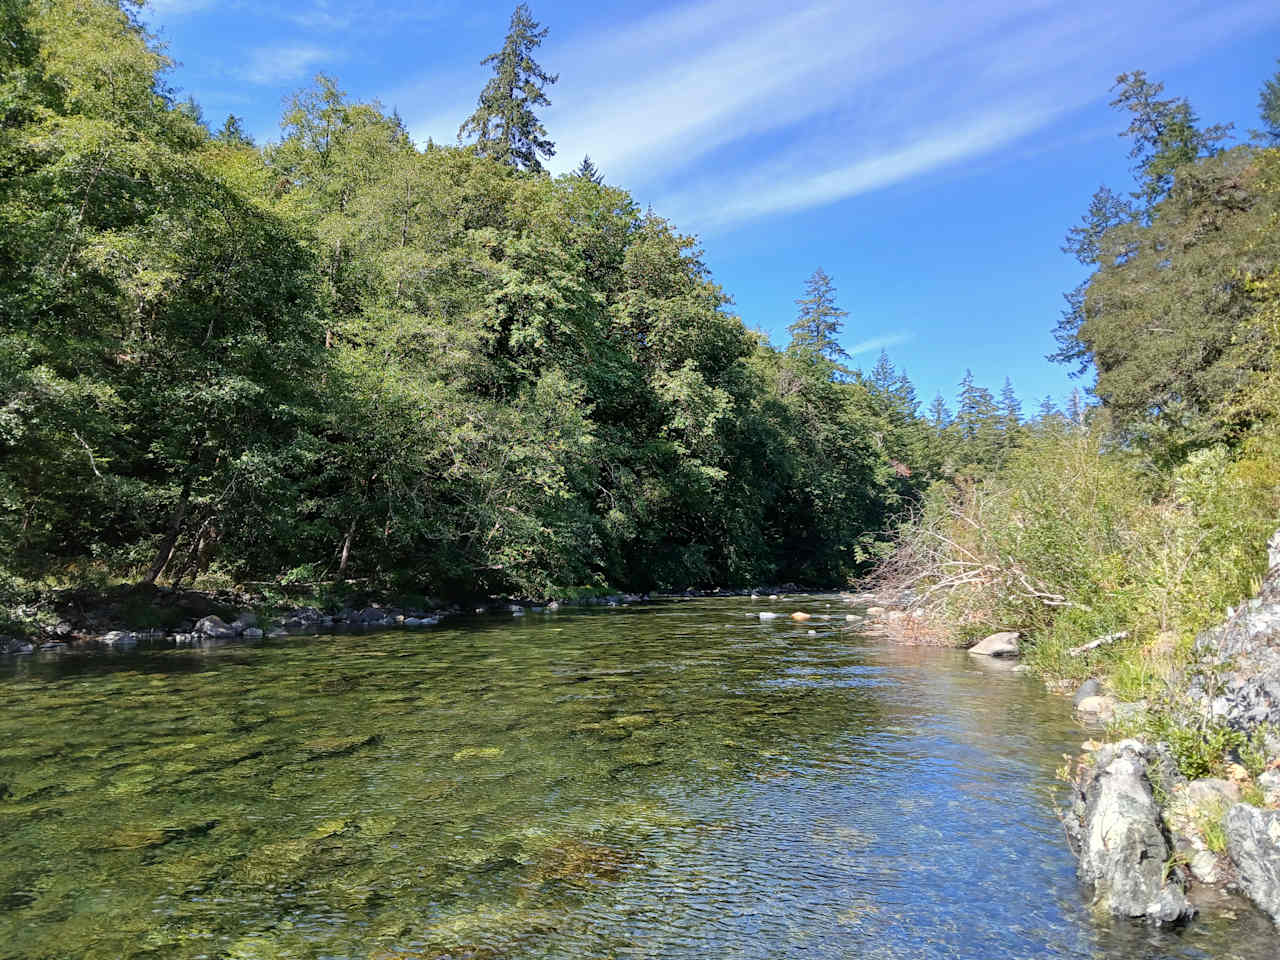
(344, 355)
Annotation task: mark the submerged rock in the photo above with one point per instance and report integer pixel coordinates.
(1115, 829)
(1253, 840)
(1003, 644)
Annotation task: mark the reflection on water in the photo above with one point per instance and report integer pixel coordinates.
(674, 781)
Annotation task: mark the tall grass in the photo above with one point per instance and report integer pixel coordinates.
(1076, 538)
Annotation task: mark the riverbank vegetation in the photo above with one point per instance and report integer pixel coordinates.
(1114, 533)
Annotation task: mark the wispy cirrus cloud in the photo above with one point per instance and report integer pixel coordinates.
(878, 343)
(727, 110)
(178, 8)
(274, 65)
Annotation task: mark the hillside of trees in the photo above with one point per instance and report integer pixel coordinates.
(344, 355)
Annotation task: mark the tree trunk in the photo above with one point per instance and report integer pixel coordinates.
(171, 538)
(346, 549)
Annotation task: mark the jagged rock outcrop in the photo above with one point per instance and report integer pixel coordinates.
(1116, 830)
(1240, 679)
(1253, 840)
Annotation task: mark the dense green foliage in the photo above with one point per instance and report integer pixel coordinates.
(344, 356)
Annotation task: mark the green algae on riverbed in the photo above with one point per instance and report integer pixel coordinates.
(676, 781)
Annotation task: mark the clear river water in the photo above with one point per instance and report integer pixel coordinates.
(675, 780)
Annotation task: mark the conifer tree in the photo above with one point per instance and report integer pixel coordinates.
(504, 125)
(233, 132)
(820, 322)
(883, 374)
(1076, 408)
(939, 415)
(1165, 134)
(589, 171)
(1010, 407)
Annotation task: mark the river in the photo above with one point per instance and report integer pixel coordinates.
(674, 780)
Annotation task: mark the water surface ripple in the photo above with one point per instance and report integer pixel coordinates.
(673, 781)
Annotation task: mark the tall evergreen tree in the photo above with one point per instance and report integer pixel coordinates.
(904, 393)
(1165, 134)
(589, 171)
(1010, 406)
(233, 132)
(504, 125)
(1076, 408)
(883, 375)
(939, 414)
(820, 322)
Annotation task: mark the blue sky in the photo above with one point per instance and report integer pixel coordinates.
(928, 155)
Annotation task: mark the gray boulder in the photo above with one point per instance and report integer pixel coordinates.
(1003, 644)
(1253, 840)
(244, 621)
(1090, 688)
(214, 626)
(1269, 784)
(120, 638)
(252, 633)
(371, 615)
(1115, 829)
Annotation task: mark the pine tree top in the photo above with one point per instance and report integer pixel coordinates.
(504, 125)
(820, 322)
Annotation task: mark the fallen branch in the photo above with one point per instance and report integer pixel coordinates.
(1107, 638)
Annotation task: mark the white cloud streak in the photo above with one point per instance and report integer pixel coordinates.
(177, 8)
(274, 65)
(878, 343)
(721, 111)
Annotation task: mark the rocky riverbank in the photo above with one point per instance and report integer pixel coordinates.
(87, 620)
(1154, 842)
(1175, 805)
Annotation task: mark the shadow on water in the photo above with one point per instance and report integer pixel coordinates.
(674, 781)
